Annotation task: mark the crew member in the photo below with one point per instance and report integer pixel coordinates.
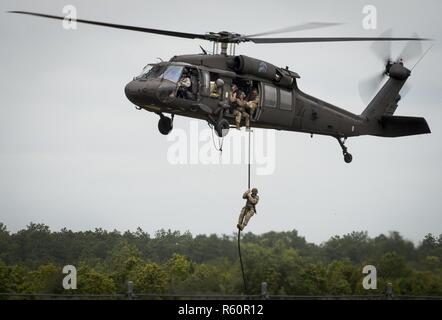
(240, 110)
(214, 89)
(251, 105)
(184, 85)
(233, 97)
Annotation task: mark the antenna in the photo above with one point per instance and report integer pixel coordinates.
(204, 51)
(422, 57)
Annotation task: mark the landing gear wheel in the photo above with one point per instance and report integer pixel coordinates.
(222, 128)
(165, 125)
(348, 157)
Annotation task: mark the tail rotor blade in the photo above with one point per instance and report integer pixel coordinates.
(382, 49)
(412, 50)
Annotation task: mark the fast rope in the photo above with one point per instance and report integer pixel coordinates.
(240, 261)
(246, 291)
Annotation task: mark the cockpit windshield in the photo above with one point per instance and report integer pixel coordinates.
(145, 71)
(171, 72)
(150, 72)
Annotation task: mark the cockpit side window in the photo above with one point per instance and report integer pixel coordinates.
(173, 73)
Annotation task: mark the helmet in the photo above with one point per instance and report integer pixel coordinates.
(255, 191)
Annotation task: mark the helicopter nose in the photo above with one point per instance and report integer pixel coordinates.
(131, 91)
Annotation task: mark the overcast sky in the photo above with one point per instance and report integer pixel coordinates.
(75, 153)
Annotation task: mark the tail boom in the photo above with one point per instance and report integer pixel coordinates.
(379, 113)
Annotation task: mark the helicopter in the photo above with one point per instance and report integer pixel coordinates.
(282, 105)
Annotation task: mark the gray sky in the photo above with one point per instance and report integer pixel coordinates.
(75, 153)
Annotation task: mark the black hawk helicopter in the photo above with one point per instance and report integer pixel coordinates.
(282, 105)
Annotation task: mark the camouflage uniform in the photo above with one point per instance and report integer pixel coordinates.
(249, 209)
(252, 104)
(214, 92)
(233, 97)
(246, 109)
(240, 111)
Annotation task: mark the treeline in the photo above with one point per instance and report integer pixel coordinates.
(31, 261)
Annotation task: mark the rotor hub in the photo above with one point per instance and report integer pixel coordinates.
(224, 37)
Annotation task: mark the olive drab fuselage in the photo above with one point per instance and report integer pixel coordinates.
(283, 106)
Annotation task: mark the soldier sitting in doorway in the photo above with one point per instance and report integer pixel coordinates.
(245, 108)
(233, 96)
(252, 104)
(240, 111)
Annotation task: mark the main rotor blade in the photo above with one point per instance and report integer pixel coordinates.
(328, 39)
(299, 27)
(120, 26)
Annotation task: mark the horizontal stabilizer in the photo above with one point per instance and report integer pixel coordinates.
(398, 126)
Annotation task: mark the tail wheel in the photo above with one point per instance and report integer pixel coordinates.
(348, 157)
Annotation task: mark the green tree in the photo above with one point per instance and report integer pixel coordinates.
(90, 281)
(178, 267)
(46, 279)
(149, 278)
(392, 266)
(420, 284)
(5, 243)
(206, 279)
(352, 246)
(341, 277)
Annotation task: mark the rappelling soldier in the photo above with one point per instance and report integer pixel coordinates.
(249, 209)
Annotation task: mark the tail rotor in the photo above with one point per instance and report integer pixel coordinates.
(383, 51)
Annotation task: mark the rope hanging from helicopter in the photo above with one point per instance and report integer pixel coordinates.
(246, 291)
(219, 148)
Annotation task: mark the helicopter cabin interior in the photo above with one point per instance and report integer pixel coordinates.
(272, 98)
